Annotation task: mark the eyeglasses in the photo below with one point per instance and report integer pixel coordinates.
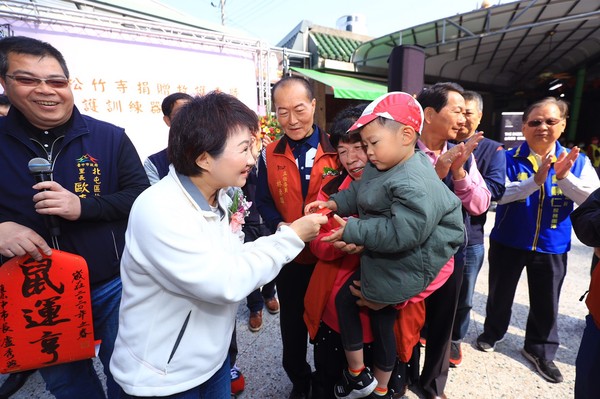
(538, 122)
(55, 83)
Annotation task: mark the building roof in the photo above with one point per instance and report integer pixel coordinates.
(330, 43)
(335, 47)
(514, 45)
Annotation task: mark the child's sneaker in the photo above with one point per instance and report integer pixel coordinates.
(455, 354)
(355, 387)
(237, 381)
(388, 395)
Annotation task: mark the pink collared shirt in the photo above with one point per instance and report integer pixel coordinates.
(472, 191)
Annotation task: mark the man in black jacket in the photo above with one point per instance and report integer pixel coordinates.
(491, 163)
(97, 175)
(586, 224)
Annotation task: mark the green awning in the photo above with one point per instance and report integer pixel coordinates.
(346, 87)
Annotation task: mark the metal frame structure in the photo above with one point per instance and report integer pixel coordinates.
(94, 18)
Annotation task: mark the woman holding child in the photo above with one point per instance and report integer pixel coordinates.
(410, 225)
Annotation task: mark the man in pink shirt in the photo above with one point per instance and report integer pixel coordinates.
(443, 108)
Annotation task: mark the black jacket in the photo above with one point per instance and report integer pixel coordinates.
(95, 160)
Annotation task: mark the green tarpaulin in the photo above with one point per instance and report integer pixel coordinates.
(346, 87)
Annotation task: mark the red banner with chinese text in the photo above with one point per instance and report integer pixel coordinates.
(45, 312)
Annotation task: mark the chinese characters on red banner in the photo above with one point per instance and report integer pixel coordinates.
(45, 312)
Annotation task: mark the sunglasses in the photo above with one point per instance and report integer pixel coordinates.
(55, 83)
(538, 122)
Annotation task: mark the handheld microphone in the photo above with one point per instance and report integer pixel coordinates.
(41, 169)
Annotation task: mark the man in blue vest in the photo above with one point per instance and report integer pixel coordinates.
(533, 231)
(157, 165)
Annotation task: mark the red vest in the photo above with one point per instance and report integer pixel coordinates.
(284, 181)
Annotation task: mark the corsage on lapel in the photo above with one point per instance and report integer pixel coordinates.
(238, 210)
(328, 171)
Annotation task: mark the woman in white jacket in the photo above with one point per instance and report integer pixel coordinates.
(184, 267)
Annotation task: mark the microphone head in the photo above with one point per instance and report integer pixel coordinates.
(39, 165)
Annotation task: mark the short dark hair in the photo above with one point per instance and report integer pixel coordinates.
(203, 125)
(342, 122)
(4, 100)
(170, 100)
(436, 96)
(286, 80)
(29, 46)
(563, 107)
(474, 96)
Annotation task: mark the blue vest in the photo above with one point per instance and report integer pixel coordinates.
(161, 162)
(541, 221)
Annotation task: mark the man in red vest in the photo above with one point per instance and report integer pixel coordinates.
(291, 171)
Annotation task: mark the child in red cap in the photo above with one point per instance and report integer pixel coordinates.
(409, 227)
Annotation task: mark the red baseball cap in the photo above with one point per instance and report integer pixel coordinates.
(397, 106)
